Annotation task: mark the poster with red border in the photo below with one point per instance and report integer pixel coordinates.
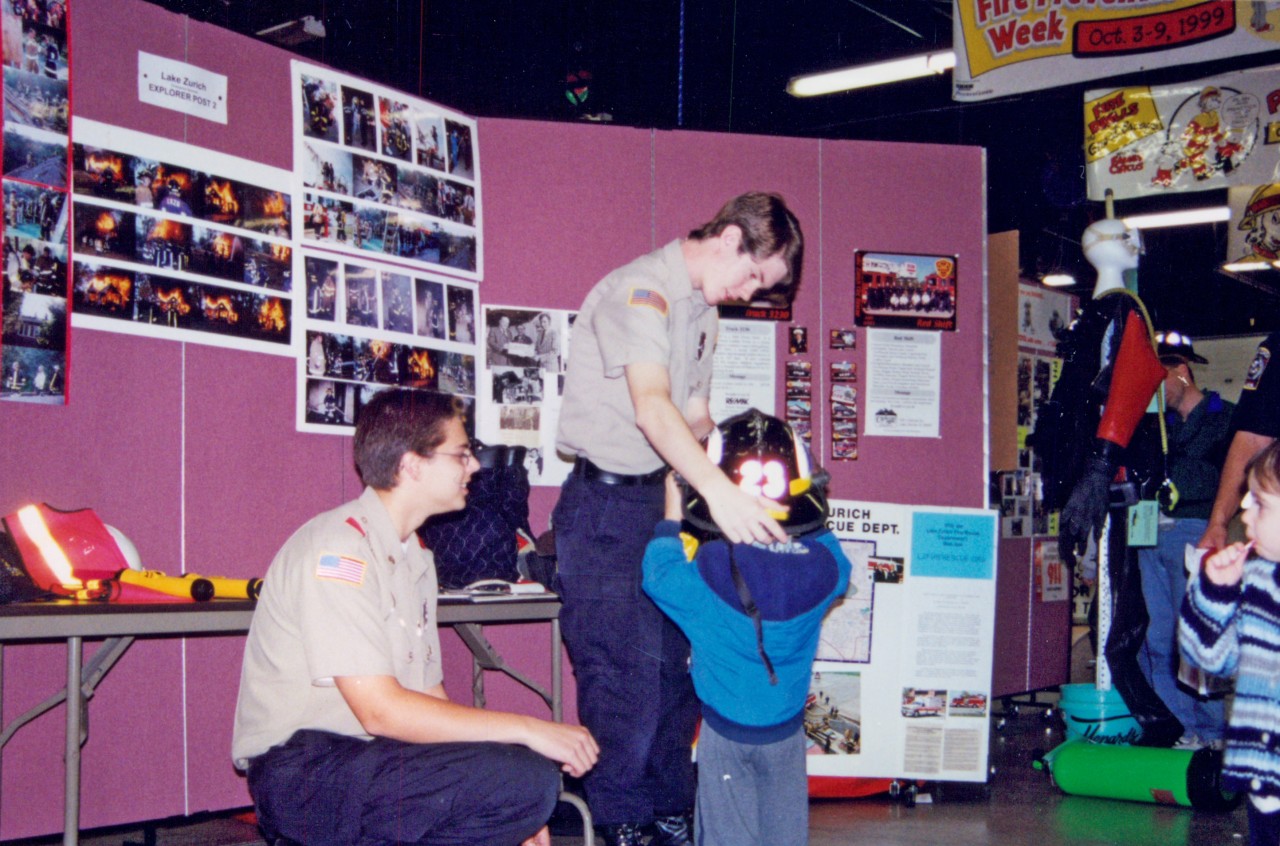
(35, 339)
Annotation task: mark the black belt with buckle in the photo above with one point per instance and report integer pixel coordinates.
(592, 473)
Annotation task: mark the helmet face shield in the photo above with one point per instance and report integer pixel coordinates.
(763, 456)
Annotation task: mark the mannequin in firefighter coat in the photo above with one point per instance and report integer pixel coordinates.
(1083, 437)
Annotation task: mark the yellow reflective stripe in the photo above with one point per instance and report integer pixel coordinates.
(33, 524)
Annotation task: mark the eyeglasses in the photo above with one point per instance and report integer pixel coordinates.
(465, 456)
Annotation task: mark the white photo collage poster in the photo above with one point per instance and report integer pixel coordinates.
(369, 327)
(381, 174)
(174, 241)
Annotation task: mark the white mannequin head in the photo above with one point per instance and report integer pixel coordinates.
(1111, 248)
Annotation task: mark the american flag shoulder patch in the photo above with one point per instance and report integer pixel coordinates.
(648, 297)
(340, 568)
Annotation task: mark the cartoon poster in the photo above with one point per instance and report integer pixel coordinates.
(902, 682)
(34, 306)
(1203, 135)
(372, 326)
(174, 241)
(383, 175)
(1253, 235)
(1005, 47)
(910, 291)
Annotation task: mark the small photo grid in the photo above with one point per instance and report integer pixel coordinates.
(844, 421)
(799, 398)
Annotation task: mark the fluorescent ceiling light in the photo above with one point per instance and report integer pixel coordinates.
(1244, 266)
(1058, 280)
(1178, 218)
(864, 76)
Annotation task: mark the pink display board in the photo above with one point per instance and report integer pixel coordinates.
(191, 450)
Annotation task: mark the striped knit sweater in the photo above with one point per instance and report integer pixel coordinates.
(1235, 631)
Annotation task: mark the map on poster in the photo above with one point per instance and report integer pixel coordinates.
(846, 631)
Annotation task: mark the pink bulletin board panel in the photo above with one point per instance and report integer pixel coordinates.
(564, 205)
(191, 449)
(909, 198)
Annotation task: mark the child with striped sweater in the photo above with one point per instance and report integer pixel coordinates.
(1230, 626)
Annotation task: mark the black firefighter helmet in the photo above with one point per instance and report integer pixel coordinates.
(763, 456)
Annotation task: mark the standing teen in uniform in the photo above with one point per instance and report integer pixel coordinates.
(1256, 425)
(342, 722)
(635, 401)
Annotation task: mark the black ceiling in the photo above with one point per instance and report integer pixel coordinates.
(722, 65)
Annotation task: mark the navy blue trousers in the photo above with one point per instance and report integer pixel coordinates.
(324, 789)
(630, 661)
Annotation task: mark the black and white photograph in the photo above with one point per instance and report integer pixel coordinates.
(429, 307)
(462, 314)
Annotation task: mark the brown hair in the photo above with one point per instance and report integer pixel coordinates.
(1264, 469)
(768, 228)
(395, 422)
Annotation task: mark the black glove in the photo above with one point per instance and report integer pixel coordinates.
(1086, 508)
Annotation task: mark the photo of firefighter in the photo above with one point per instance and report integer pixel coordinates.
(429, 308)
(428, 135)
(320, 108)
(458, 138)
(393, 117)
(330, 402)
(358, 129)
(457, 373)
(396, 303)
(322, 288)
(462, 315)
(362, 295)
(33, 375)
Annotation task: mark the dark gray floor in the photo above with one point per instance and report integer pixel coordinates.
(1019, 806)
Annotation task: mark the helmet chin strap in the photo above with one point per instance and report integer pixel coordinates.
(749, 605)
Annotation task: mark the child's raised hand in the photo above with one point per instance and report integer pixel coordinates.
(674, 509)
(1226, 566)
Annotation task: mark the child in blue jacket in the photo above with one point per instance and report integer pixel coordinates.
(753, 614)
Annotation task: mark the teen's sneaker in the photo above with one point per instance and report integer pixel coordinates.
(1189, 742)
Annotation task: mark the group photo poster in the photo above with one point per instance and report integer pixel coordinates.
(180, 242)
(1005, 48)
(369, 326)
(902, 683)
(1202, 135)
(34, 306)
(521, 385)
(385, 175)
(907, 291)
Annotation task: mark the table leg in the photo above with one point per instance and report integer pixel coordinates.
(557, 705)
(75, 701)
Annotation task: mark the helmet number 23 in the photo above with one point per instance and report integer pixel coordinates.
(763, 478)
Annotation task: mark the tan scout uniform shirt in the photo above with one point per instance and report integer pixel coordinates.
(645, 311)
(343, 597)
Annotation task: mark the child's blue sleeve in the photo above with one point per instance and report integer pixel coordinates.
(1207, 635)
(669, 578)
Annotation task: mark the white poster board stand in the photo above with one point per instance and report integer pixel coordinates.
(902, 685)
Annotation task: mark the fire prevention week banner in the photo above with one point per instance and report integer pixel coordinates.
(1011, 46)
(1201, 135)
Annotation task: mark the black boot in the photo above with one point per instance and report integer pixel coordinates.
(619, 835)
(674, 830)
